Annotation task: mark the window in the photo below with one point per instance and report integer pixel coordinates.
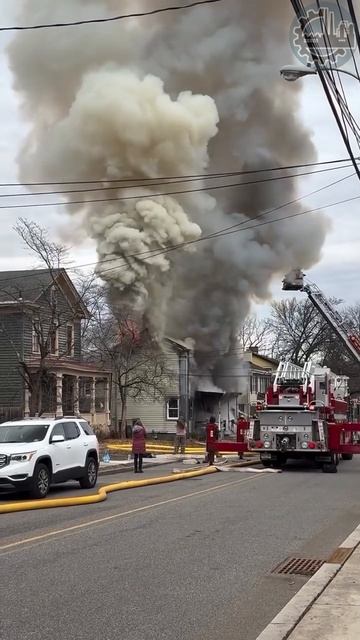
(86, 428)
(35, 337)
(85, 388)
(53, 295)
(53, 341)
(23, 433)
(58, 430)
(72, 431)
(172, 409)
(70, 340)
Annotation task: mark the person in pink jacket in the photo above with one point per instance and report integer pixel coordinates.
(138, 445)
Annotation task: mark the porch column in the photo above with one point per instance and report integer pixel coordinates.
(76, 396)
(26, 403)
(107, 401)
(59, 394)
(93, 400)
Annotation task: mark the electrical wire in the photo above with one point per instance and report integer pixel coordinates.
(150, 195)
(180, 178)
(354, 21)
(160, 194)
(117, 18)
(350, 45)
(222, 232)
(323, 74)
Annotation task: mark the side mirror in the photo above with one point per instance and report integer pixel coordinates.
(56, 439)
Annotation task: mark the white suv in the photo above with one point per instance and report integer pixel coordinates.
(35, 453)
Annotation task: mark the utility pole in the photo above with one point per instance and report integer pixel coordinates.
(184, 385)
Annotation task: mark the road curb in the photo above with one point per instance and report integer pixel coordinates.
(289, 617)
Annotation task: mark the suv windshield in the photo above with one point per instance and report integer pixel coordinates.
(23, 433)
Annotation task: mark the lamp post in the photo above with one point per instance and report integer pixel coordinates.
(292, 72)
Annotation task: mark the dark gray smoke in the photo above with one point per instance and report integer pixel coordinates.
(171, 95)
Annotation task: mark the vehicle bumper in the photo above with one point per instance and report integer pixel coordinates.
(17, 475)
(296, 454)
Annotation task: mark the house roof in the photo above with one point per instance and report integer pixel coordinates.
(29, 285)
(179, 343)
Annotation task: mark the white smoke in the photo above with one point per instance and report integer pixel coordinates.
(144, 99)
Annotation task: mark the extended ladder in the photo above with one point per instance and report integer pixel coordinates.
(334, 319)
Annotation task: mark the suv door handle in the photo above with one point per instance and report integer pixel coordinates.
(68, 446)
(86, 444)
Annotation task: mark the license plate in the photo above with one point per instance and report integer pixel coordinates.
(265, 456)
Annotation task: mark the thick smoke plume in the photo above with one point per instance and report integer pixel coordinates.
(175, 95)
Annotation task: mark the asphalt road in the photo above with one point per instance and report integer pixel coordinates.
(189, 560)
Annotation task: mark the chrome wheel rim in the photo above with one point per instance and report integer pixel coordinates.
(43, 481)
(92, 472)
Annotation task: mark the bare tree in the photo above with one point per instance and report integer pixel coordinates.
(52, 255)
(253, 333)
(297, 331)
(337, 358)
(138, 364)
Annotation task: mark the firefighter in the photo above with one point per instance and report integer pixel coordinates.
(240, 433)
(212, 433)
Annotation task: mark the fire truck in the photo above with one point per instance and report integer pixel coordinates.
(298, 408)
(306, 409)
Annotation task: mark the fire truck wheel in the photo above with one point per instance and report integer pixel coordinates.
(266, 463)
(347, 456)
(329, 467)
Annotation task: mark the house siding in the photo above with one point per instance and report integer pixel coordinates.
(66, 316)
(11, 382)
(153, 412)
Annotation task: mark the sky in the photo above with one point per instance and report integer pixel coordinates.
(337, 271)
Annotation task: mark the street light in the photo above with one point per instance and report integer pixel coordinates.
(292, 72)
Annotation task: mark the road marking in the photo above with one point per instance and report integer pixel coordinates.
(91, 523)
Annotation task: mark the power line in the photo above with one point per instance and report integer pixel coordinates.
(180, 178)
(117, 18)
(222, 232)
(232, 231)
(328, 85)
(354, 21)
(159, 184)
(160, 194)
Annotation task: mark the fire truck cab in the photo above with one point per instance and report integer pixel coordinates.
(298, 407)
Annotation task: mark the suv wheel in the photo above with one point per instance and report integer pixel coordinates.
(88, 481)
(41, 481)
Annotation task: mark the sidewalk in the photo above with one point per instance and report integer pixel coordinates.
(120, 466)
(335, 615)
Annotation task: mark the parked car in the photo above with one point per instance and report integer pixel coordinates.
(35, 453)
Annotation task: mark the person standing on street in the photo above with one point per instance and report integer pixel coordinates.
(180, 436)
(138, 445)
(212, 433)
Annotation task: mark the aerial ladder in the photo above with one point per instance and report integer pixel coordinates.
(294, 281)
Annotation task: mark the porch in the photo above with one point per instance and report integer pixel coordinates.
(72, 389)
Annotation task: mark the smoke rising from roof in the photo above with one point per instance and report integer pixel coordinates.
(171, 95)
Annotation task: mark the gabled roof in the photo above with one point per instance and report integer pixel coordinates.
(179, 343)
(29, 285)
